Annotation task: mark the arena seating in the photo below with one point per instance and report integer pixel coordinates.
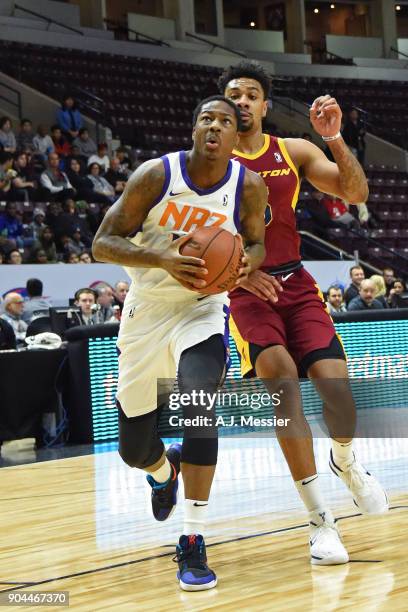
(148, 104)
(383, 101)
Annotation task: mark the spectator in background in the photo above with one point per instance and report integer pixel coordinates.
(36, 304)
(69, 118)
(339, 212)
(56, 182)
(354, 135)
(125, 166)
(396, 299)
(11, 228)
(7, 336)
(61, 146)
(7, 138)
(68, 221)
(39, 256)
(352, 291)
(46, 244)
(24, 186)
(71, 258)
(105, 299)
(121, 290)
(6, 174)
(77, 178)
(335, 302)
(101, 157)
(86, 146)
(1, 260)
(85, 258)
(75, 243)
(42, 142)
(365, 300)
(389, 278)
(101, 188)
(25, 137)
(115, 177)
(14, 258)
(380, 289)
(37, 224)
(85, 300)
(13, 314)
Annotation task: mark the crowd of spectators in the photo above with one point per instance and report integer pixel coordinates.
(90, 306)
(374, 293)
(61, 171)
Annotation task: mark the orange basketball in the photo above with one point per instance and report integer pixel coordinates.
(222, 253)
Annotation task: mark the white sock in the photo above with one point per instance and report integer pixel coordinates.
(342, 452)
(309, 491)
(195, 515)
(163, 473)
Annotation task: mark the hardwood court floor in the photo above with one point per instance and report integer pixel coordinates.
(83, 525)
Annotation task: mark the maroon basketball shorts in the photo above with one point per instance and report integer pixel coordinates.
(299, 321)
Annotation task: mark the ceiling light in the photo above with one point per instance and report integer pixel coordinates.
(332, 6)
(316, 10)
(252, 24)
(398, 7)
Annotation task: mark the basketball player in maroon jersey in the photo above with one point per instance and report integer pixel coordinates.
(279, 339)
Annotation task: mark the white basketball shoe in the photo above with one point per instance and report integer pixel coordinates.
(326, 547)
(368, 494)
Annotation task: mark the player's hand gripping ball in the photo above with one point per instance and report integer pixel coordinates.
(222, 253)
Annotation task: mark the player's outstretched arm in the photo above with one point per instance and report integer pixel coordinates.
(127, 214)
(345, 178)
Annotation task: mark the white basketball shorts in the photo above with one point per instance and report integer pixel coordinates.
(151, 339)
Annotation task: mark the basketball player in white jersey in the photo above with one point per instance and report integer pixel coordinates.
(168, 330)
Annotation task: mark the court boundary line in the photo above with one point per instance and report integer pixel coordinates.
(105, 568)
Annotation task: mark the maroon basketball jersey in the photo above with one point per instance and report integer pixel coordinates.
(274, 164)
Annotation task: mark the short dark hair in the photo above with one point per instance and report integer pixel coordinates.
(55, 127)
(83, 130)
(249, 69)
(336, 288)
(34, 287)
(355, 268)
(79, 292)
(26, 120)
(218, 98)
(401, 281)
(3, 121)
(5, 156)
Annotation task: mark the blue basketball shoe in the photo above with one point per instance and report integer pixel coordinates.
(194, 573)
(164, 495)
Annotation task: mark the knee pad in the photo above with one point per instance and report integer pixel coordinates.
(200, 451)
(139, 443)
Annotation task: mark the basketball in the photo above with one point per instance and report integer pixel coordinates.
(222, 252)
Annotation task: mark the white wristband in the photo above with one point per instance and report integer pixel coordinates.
(330, 138)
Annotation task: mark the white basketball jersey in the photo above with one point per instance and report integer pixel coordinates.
(182, 207)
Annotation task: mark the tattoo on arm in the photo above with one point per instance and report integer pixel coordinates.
(126, 215)
(351, 175)
(252, 217)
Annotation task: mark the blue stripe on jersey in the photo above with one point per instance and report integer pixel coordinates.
(198, 190)
(167, 175)
(238, 194)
